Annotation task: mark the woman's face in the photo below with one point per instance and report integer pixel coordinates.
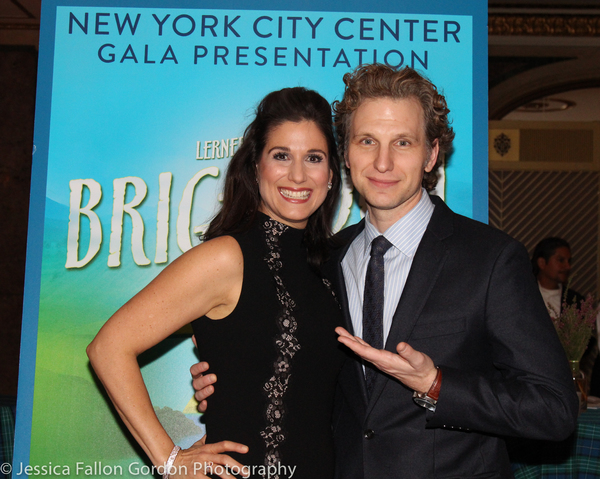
(293, 172)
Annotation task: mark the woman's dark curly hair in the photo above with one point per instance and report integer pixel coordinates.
(241, 197)
(381, 81)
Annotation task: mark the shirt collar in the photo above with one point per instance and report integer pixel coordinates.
(406, 233)
(551, 291)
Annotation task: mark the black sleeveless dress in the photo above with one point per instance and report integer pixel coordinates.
(276, 358)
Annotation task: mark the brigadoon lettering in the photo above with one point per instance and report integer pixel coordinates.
(119, 209)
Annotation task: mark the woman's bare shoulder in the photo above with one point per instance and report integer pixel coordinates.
(219, 259)
(224, 251)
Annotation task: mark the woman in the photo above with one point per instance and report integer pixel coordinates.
(266, 318)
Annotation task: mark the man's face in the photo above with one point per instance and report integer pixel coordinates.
(558, 267)
(387, 156)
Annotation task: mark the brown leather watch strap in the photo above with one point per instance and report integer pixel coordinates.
(434, 390)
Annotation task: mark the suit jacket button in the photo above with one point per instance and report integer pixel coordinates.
(369, 433)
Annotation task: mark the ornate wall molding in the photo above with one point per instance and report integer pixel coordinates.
(544, 25)
(19, 26)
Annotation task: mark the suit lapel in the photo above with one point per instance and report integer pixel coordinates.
(343, 297)
(355, 375)
(426, 267)
(340, 283)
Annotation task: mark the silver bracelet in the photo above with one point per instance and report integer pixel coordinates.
(170, 461)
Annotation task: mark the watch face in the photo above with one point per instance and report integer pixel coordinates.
(425, 402)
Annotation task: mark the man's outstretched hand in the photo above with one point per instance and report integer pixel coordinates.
(411, 367)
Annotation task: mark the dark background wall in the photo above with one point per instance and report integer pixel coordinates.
(18, 65)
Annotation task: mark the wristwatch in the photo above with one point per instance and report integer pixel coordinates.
(429, 399)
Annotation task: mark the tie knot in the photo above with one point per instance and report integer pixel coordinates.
(379, 246)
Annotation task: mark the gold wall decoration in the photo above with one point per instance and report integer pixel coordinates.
(544, 25)
(504, 144)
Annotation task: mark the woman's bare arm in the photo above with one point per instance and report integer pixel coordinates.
(206, 280)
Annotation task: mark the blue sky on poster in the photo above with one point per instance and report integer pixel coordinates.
(152, 121)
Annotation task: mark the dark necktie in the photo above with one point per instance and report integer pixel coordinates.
(373, 304)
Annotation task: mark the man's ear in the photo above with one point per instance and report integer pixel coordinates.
(433, 155)
(541, 262)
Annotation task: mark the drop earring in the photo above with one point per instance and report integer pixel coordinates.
(329, 185)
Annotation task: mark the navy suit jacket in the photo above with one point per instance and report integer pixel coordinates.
(472, 304)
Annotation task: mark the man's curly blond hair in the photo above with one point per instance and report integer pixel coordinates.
(381, 81)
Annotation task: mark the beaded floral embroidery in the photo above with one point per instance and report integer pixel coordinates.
(287, 346)
(329, 288)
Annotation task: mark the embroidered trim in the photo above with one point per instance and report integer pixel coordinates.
(329, 288)
(287, 346)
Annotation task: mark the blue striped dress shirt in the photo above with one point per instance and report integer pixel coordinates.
(405, 236)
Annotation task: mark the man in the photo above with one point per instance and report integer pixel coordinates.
(551, 263)
(463, 327)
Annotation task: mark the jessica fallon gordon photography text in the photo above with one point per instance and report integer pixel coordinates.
(97, 468)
